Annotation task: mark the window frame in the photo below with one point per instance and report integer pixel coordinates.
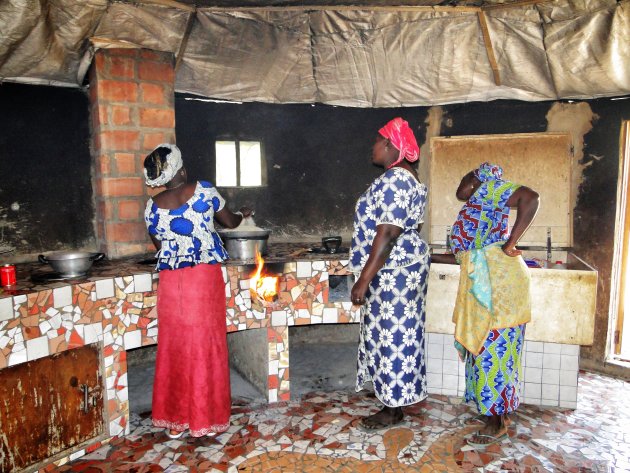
(237, 141)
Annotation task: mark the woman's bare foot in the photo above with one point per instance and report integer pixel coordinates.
(383, 419)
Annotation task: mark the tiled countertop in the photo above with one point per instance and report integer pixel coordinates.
(277, 253)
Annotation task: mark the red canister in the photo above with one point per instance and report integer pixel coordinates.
(7, 275)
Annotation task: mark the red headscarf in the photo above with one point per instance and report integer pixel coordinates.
(398, 132)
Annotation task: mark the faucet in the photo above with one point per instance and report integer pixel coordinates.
(448, 240)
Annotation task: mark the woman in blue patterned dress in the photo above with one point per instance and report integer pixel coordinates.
(493, 304)
(391, 262)
(191, 389)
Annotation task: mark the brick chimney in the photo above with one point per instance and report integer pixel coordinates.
(132, 105)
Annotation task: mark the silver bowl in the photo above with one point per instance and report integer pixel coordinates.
(71, 264)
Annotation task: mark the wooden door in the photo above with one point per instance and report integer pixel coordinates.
(621, 267)
(43, 408)
(541, 161)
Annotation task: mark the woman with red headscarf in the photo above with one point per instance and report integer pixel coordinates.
(391, 263)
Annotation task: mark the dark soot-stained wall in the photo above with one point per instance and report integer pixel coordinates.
(46, 189)
(318, 163)
(595, 213)
(318, 159)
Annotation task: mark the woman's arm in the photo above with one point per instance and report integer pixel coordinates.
(156, 242)
(526, 202)
(382, 246)
(229, 219)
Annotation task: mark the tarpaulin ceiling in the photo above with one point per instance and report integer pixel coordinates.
(376, 56)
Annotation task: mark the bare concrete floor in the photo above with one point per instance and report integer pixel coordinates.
(323, 367)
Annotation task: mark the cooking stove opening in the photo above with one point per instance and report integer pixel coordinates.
(323, 357)
(141, 370)
(264, 281)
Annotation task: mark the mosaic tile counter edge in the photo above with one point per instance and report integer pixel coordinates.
(115, 308)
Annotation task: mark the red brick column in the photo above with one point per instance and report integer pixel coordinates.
(132, 105)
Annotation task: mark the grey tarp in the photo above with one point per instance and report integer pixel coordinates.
(350, 56)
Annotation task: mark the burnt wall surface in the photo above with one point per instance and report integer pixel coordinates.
(595, 211)
(46, 190)
(318, 159)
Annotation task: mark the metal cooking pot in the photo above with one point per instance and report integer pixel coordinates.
(71, 264)
(241, 244)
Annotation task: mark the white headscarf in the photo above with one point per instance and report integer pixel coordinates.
(173, 164)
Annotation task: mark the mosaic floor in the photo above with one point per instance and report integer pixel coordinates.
(319, 434)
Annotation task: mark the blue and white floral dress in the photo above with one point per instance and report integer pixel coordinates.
(391, 347)
(187, 233)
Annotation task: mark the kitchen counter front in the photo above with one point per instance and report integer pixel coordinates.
(114, 309)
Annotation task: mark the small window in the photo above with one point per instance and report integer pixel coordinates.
(239, 163)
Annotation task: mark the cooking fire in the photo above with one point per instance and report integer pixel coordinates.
(263, 286)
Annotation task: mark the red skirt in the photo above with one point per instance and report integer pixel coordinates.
(191, 389)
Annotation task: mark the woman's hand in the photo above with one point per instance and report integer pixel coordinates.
(229, 219)
(511, 250)
(246, 211)
(358, 292)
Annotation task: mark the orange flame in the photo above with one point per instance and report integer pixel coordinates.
(262, 286)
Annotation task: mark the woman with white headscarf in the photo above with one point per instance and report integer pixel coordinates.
(191, 390)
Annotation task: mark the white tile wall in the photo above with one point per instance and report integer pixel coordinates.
(331, 315)
(143, 282)
(550, 376)
(6, 308)
(37, 348)
(62, 296)
(278, 318)
(132, 339)
(533, 391)
(533, 359)
(552, 348)
(104, 288)
(550, 371)
(303, 269)
(550, 392)
(533, 375)
(569, 362)
(551, 361)
(568, 378)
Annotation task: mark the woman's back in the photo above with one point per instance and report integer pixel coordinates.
(186, 230)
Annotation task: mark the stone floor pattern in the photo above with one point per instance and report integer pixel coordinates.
(319, 434)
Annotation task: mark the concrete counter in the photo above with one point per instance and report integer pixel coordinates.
(563, 302)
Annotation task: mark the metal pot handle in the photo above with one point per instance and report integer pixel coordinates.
(43, 259)
(97, 257)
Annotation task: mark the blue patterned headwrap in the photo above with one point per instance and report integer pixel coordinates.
(488, 172)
